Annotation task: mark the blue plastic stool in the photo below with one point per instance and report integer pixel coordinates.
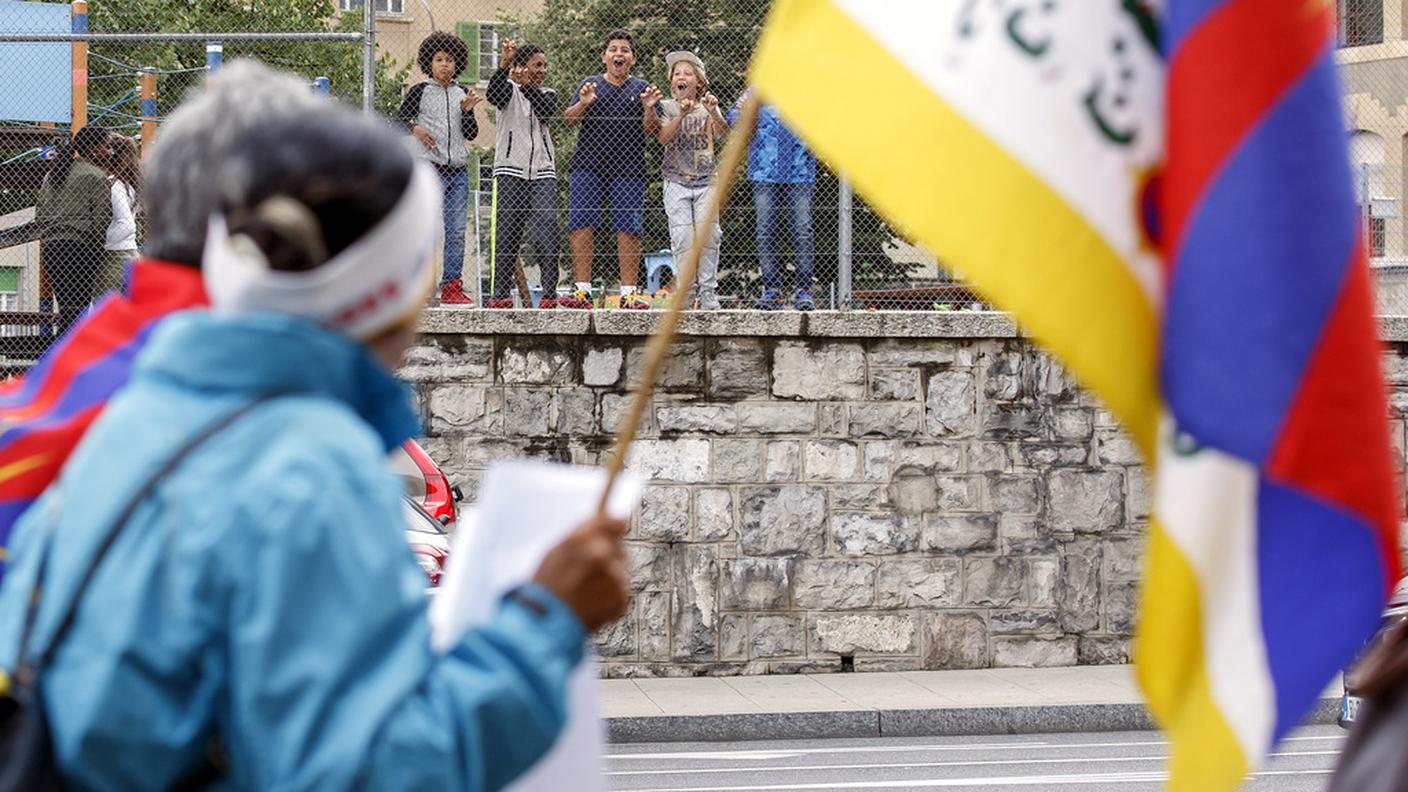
(654, 263)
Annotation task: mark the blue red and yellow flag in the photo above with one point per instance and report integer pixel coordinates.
(44, 414)
(1160, 193)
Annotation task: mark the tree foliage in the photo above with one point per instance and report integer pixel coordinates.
(179, 64)
(723, 33)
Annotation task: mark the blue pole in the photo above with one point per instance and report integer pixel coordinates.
(214, 55)
(321, 85)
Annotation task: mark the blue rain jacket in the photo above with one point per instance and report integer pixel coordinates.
(265, 594)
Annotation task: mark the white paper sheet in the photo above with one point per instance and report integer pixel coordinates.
(524, 509)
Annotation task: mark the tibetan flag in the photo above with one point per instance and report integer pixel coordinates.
(1276, 541)
(1161, 196)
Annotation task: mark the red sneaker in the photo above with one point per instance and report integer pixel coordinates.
(452, 293)
(499, 302)
(577, 299)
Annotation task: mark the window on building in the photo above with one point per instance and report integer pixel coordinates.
(1378, 236)
(488, 50)
(1361, 22)
(381, 6)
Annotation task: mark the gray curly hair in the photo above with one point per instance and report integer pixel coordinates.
(179, 190)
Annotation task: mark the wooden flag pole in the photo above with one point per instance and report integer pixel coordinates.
(659, 347)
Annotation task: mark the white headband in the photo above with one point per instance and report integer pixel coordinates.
(365, 289)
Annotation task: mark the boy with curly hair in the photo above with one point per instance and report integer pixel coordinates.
(439, 113)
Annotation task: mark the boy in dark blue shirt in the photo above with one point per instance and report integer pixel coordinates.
(609, 161)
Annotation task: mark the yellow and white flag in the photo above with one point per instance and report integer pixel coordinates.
(1018, 141)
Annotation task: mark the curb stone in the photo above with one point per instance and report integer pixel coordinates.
(940, 722)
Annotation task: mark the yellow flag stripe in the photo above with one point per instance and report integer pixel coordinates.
(1172, 669)
(945, 184)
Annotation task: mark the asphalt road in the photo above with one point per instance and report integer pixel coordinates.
(1090, 762)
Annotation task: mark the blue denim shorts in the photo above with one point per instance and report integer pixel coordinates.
(586, 196)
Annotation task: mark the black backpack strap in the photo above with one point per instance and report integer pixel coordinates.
(27, 671)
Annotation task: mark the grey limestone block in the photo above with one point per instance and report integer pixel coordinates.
(777, 635)
(683, 460)
(777, 418)
(576, 412)
(830, 460)
(536, 363)
(1021, 420)
(955, 639)
(738, 369)
(960, 533)
(951, 407)
(1121, 604)
(1043, 454)
(529, 412)
(466, 408)
(601, 367)
(879, 633)
(1010, 651)
(648, 566)
(755, 584)
(1117, 448)
(617, 639)
(1024, 621)
(738, 461)
(1014, 494)
(614, 409)
(915, 353)
(885, 419)
(1072, 423)
(876, 460)
(733, 636)
(1102, 650)
(783, 461)
(653, 620)
(893, 384)
(1081, 501)
(684, 367)
(694, 629)
(783, 520)
(828, 584)
(989, 457)
(439, 360)
(664, 514)
(713, 514)
(861, 497)
(919, 583)
(995, 582)
(868, 533)
(1078, 596)
(817, 372)
(700, 418)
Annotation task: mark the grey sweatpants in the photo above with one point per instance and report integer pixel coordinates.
(685, 207)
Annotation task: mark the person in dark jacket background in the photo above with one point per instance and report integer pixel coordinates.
(73, 212)
(439, 113)
(525, 170)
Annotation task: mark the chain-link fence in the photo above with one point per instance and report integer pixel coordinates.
(575, 163)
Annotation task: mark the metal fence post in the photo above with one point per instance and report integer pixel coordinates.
(79, 25)
(369, 55)
(844, 196)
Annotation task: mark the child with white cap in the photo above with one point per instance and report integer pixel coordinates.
(689, 126)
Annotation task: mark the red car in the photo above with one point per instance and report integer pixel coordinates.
(426, 483)
(429, 507)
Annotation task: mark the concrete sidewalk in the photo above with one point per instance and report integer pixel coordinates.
(914, 703)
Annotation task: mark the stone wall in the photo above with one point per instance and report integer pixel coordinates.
(829, 491)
